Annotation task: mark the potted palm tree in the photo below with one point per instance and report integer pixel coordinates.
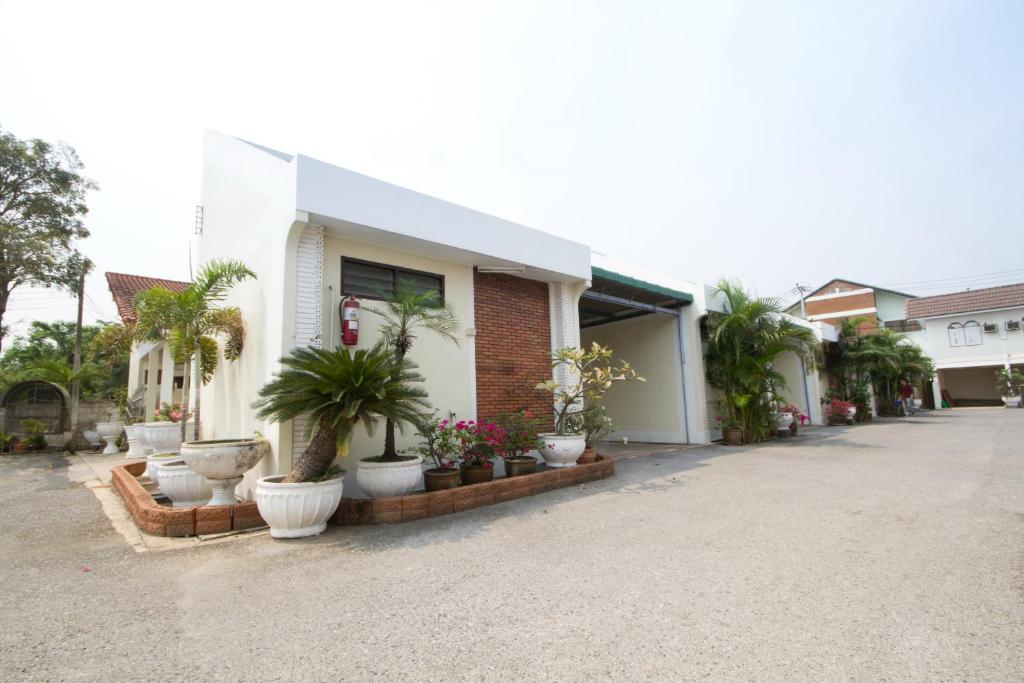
(189, 321)
(744, 342)
(406, 314)
(588, 375)
(1008, 383)
(337, 390)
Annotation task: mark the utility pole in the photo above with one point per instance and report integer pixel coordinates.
(803, 367)
(77, 438)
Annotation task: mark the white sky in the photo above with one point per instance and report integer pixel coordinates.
(777, 142)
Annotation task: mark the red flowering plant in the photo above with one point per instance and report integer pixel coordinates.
(520, 434)
(479, 442)
(168, 412)
(838, 407)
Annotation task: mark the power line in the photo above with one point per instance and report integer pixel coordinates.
(984, 276)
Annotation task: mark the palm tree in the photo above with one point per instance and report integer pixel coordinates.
(743, 344)
(189, 320)
(338, 389)
(406, 313)
(889, 358)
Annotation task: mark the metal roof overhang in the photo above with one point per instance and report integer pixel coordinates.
(613, 297)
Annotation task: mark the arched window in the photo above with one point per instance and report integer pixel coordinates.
(972, 333)
(956, 334)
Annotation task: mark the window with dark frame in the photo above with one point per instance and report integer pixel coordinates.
(368, 280)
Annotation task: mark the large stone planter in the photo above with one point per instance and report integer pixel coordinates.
(133, 434)
(561, 451)
(297, 510)
(110, 432)
(153, 462)
(1011, 401)
(223, 462)
(389, 479)
(182, 484)
(163, 437)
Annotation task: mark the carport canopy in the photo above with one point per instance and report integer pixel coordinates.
(613, 297)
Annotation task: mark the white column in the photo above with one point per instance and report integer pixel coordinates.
(937, 391)
(152, 390)
(167, 376)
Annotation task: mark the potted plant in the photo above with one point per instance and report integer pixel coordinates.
(440, 447)
(520, 431)
(406, 314)
(478, 447)
(731, 430)
(34, 439)
(337, 389)
(596, 425)
(163, 433)
(838, 411)
(222, 463)
(589, 374)
(6, 442)
(1008, 383)
(799, 417)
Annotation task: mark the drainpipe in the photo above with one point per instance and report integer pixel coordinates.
(682, 368)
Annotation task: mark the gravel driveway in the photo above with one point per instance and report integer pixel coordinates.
(893, 550)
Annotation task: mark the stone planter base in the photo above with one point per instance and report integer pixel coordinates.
(353, 511)
(162, 520)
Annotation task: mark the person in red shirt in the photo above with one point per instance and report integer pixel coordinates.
(907, 397)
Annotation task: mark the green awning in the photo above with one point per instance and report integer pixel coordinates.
(601, 276)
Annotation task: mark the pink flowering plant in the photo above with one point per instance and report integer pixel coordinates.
(797, 413)
(519, 432)
(168, 412)
(479, 442)
(440, 443)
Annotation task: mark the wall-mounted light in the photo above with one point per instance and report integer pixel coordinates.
(501, 269)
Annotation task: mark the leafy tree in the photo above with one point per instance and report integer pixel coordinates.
(743, 344)
(338, 389)
(189, 320)
(404, 315)
(42, 203)
(889, 358)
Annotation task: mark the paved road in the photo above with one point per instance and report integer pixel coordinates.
(893, 550)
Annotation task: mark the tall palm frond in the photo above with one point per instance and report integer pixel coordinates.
(410, 310)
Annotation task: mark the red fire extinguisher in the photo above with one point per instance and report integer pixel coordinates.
(350, 321)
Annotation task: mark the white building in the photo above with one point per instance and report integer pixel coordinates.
(970, 336)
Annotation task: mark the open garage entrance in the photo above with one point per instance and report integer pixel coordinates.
(640, 321)
(974, 386)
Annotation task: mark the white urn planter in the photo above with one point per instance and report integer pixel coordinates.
(389, 479)
(153, 462)
(133, 434)
(1011, 401)
(783, 420)
(561, 451)
(163, 437)
(182, 484)
(55, 441)
(110, 432)
(223, 462)
(93, 437)
(297, 510)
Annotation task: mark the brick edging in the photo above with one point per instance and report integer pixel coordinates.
(353, 511)
(160, 520)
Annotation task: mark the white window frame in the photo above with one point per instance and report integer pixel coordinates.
(975, 327)
(957, 337)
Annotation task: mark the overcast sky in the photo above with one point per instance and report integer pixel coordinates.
(772, 141)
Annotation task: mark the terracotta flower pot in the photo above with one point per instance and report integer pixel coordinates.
(476, 474)
(438, 479)
(516, 467)
(734, 436)
(21, 448)
(589, 455)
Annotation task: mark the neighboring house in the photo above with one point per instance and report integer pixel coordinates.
(970, 335)
(839, 300)
(315, 233)
(153, 377)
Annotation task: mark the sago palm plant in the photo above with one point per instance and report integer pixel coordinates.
(189, 320)
(338, 389)
(404, 316)
(743, 344)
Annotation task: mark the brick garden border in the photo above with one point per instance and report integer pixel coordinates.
(161, 520)
(354, 511)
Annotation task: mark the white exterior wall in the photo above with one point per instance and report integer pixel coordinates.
(652, 410)
(890, 306)
(248, 199)
(449, 370)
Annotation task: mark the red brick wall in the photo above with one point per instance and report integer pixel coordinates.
(513, 344)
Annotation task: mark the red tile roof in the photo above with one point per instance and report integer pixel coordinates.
(124, 288)
(1007, 296)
